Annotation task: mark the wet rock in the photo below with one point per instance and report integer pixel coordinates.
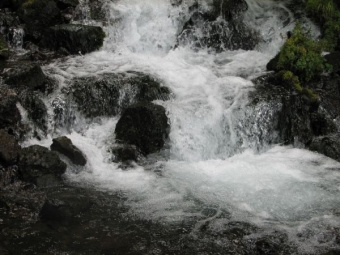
(38, 15)
(9, 113)
(65, 210)
(64, 146)
(327, 145)
(25, 75)
(4, 49)
(35, 107)
(126, 153)
(74, 38)
(144, 125)
(9, 148)
(38, 163)
(98, 10)
(109, 94)
(220, 28)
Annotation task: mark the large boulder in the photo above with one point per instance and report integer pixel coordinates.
(65, 146)
(220, 27)
(25, 76)
(9, 113)
(328, 145)
(9, 148)
(74, 38)
(38, 15)
(144, 125)
(37, 164)
(109, 94)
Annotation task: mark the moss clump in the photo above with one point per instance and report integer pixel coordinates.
(302, 56)
(293, 82)
(4, 49)
(327, 14)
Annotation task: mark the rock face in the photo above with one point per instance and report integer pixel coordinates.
(9, 113)
(144, 125)
(9, 148)
(300, 121)
(219, 28)
(327, 145)
(25, 75)
(37, 163)
(64, 146)
(109, 94)
(74, 38)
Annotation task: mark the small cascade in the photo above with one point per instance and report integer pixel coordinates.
(223, 161)
(16, 38)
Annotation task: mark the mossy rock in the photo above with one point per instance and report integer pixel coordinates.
(4, 48)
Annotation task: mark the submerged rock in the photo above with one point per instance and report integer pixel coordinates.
(9, 148)
(64, 146)
(109, 94)
(144, 125)
(39, 165)
(65, 210)
(126, 153)
(74, 38)
(25, 76)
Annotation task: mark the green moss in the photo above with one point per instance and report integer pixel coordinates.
(327, 14)
(302, 56)
(28, 3)
(4, 49)
(292, 81)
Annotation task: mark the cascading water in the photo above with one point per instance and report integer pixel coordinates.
(218, 165)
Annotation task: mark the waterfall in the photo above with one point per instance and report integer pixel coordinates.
(222, 153)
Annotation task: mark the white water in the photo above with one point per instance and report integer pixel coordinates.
(215, 157)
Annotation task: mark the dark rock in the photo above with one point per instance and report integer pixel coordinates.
(330, 95)
(321, 124)
(98, 11)
(25, 75)
(75, 38)
(126, 153)
(9, 113)
(144, 125)
(272, 64)
(8, 175)
(9, 148)
(334, 60)
(64, 4)
(4, 49)
(64, 146)
(273, 243)
(294, 121)
(109, 94)
(38, 15)
(65, 209)
(220, 28)
(36, 162)
(7, 20)
(327, 145)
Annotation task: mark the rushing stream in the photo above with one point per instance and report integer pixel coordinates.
(219, 164)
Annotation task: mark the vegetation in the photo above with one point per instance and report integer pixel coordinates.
(327, 14)
(302, 56)
(4, 49)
